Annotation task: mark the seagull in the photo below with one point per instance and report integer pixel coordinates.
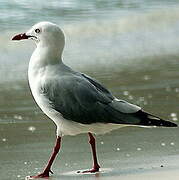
(75, 102)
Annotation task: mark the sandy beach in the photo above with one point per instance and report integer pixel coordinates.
(135, 153)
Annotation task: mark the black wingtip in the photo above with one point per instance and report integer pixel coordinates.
(171, 124)
(151, 120)
(167, 123)
(159, 123)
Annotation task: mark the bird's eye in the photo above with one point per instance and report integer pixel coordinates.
(37, 30)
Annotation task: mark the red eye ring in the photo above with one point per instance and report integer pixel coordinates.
(37, 30)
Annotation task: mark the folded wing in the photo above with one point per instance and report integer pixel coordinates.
(82, 99)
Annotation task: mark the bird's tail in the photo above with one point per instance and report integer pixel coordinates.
(151, 120)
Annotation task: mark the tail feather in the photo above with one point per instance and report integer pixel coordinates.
(151, 120)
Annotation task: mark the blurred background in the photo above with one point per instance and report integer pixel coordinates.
(131, 46)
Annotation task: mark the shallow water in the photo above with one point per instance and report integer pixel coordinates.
(131, 47)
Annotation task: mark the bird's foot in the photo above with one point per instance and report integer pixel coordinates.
(44, 175)
(93, 170)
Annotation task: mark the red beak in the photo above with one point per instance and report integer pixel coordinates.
(20, 37)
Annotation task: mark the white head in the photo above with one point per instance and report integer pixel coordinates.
(45, 34)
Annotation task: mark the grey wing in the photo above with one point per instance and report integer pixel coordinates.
(84, 100)
(120, 105)
(98, 86)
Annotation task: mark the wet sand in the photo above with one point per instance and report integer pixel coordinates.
(135, 153)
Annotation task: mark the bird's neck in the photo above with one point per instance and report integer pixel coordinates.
(44, 56)
(41, 61)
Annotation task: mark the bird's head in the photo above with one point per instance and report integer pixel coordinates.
(44, 34)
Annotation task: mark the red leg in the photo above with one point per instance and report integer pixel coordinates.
(96, 166)
(47, 170)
